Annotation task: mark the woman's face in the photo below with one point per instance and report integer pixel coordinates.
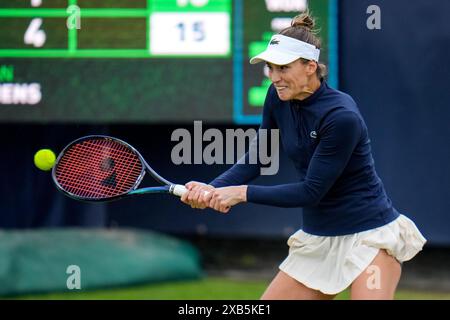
(291, 80)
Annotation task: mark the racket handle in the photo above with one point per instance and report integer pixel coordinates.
(178, 189)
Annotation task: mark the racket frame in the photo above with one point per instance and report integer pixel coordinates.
(167, 186)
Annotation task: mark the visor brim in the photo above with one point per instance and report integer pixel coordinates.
(274, 57)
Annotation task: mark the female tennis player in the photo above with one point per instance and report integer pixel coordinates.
(352, 236)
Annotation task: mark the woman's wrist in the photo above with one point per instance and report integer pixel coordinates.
(244, 193)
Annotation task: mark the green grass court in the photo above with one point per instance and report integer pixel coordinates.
(213, 288)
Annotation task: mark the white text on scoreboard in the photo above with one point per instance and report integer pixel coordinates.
(190, 34)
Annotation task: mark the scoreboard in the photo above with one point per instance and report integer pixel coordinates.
(115, 29)
(143, 61)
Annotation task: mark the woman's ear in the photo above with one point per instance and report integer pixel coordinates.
(311, 67)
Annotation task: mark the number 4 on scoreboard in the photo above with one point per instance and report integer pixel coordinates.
(34, 35)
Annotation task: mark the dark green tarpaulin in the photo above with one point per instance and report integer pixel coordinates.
(40, 260)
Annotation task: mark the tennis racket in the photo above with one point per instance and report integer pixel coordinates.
(102, 168)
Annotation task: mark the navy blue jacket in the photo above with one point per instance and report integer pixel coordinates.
(326, 138)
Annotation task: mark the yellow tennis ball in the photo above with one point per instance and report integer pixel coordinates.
(44, 159)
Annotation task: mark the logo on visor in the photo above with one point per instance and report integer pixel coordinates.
(274, 41)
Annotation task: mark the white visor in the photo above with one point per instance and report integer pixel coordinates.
(283, 50)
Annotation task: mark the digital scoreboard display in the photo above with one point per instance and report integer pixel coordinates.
(143, 61)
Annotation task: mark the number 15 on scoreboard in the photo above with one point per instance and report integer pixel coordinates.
(190, 33)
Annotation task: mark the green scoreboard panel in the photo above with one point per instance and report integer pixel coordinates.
(143, 61)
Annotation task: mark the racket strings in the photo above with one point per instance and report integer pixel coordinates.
(112, 183)
(102, 171)
(86, 182)
(100, 168)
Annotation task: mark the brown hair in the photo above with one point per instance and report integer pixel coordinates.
(302, 28)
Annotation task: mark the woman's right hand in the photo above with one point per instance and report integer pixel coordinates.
(199, 194)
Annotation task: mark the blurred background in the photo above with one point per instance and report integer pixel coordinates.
(140, 69)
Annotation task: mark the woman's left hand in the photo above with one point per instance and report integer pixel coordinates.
(224, 198)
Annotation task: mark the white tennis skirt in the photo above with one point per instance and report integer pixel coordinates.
(331, 264)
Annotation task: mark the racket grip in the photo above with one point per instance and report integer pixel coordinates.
(178, 189)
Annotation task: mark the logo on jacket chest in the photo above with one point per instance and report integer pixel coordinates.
(313, 134)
